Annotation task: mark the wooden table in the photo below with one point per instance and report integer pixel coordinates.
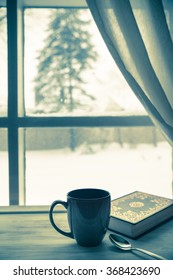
(26, 234)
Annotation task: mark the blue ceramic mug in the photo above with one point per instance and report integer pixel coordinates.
(88, 213)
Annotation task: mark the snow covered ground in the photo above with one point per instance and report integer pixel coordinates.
(51, 174)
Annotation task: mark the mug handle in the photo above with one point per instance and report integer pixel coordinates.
(63, 203)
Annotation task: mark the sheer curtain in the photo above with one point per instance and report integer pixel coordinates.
(138, 36)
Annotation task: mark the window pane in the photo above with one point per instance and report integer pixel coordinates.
(118, 159)
(68, 69)
(3, 62)
(4, 190)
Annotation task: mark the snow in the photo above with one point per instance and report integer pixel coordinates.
(51, 174)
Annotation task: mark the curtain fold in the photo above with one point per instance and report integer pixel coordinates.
(137, 34)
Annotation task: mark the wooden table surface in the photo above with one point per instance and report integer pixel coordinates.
(29, 236)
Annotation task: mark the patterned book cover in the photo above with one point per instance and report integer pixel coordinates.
(137, 206)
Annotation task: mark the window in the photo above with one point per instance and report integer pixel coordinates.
(4, 190)
(3, 62)
(97, 135)
(97, 92)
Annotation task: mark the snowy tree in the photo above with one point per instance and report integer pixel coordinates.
(67, 54)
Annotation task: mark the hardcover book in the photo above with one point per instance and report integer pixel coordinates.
(138, 212)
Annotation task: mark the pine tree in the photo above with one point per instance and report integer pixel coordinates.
(68, 53)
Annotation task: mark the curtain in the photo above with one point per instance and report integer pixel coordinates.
(138, 36)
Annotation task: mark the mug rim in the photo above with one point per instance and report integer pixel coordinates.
(103, 196)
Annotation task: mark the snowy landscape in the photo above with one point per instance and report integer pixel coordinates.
(51, 174)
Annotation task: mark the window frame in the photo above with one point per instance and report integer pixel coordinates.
(16, 120)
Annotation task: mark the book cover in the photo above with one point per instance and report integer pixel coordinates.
(137, 212)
